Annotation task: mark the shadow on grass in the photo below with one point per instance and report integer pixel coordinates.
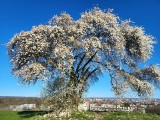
(27, 114)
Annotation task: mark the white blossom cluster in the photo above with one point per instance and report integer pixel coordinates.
(32, 73)
(142, 87)
(154, 70)
(138, 45)
(105, 26)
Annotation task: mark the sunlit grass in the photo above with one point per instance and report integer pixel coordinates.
(38, 115)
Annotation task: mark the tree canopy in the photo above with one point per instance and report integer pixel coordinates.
(73, 53)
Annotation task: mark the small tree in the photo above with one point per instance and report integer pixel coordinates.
(73, 54)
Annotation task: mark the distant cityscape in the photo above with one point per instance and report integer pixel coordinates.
(20, 103)
(119, 104)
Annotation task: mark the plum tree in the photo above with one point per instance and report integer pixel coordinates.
(73, 53)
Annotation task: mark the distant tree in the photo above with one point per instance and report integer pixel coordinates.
(126, 104)
(153, 109)
(73, 54)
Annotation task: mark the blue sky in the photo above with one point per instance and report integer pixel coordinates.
(17, 15)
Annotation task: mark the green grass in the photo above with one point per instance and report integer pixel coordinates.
(130, 116)
(114, 116)
(21, 115)
(35, 115)
(10, 115)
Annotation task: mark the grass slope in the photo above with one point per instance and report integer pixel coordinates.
(35, 115)
(22, 115)
(10, 115)
(114, 116)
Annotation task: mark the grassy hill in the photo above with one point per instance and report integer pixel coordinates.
(113, 116)
(12, 115)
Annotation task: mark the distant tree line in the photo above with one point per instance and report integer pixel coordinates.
(5, 102)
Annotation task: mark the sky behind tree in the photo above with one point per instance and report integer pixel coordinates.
(21, 15)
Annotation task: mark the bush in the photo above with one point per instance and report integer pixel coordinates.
(153, 109)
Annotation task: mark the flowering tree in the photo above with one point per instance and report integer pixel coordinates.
(74, 53)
